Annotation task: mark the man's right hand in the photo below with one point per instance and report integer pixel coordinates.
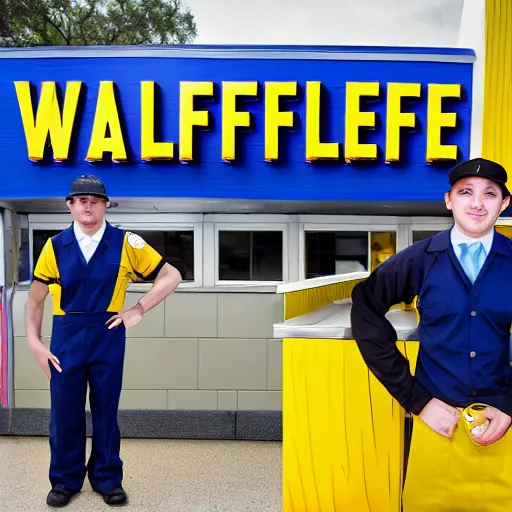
(43, 357)
(440, 417)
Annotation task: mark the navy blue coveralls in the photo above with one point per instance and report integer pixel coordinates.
(463, 332)
(85, 296)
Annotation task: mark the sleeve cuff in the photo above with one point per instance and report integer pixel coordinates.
(154, 273)
(507, 403)
(420, 397)
(41, 280)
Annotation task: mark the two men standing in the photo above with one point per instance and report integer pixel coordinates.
(460, 277)
(87, 268)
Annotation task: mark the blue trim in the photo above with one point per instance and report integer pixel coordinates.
(398, 50)
(249, 177)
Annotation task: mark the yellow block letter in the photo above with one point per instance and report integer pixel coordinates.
(48, 119)
(151, 150)
(190, 117)
(316, 150)
(274, 118)
(354, 119)
(230, 117)
(395, 118)
(106, 115)
(437, 119)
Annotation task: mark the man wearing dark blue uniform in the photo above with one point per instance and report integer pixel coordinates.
(460, 278)
(87, 268)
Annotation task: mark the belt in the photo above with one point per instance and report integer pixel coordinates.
(82, 316)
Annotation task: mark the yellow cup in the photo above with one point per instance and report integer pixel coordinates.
(474, 421)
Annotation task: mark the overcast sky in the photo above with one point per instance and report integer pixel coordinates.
(336, 22)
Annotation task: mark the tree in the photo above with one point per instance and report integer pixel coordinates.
(94, 22)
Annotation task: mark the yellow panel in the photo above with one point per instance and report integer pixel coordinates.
(342, 432)
(383, 246)
(497, 121)
(504, 230)
(305, 301)
(56, 292)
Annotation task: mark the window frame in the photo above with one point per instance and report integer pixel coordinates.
(345, 227)
(59, 226)
(125, 221)
(197, 229)
(504, 221)
(206, 239)
(250, 226)
(428, 224)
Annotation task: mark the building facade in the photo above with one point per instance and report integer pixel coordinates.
(246, 167)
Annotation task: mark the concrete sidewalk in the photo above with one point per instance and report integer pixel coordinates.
(160, 475)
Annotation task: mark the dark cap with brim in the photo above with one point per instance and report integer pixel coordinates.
(87, 186)
(481, 168)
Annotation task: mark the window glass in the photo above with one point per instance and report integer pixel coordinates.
(176, 247)
(39, 238)
(383, 246)
(341, 252)
(250, 255)
(417, 236)
(335, 252)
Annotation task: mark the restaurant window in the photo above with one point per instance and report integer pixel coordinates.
(341, 252)
(176, 247)
(39, 238)
(245, 255)
(418, 236)
(382, 246)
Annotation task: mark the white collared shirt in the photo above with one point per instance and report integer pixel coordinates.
(457, 238)
(88, 243)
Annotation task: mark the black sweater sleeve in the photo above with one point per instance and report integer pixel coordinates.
(507, 403)
(396, 280)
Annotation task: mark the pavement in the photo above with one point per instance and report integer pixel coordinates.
(160, 475)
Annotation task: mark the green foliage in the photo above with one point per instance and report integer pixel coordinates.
(94, 22)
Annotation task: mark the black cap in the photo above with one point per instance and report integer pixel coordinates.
(87, 186)
(482, 168)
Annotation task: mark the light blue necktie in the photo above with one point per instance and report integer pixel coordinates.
(472, 258)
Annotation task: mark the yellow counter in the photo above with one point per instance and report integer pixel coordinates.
(343, 434)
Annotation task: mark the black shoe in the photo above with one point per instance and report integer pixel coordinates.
(59, 497)
(116, 497)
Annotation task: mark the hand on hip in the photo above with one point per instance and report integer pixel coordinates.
(440, 417)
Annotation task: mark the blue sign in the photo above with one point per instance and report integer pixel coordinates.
(268, 123)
